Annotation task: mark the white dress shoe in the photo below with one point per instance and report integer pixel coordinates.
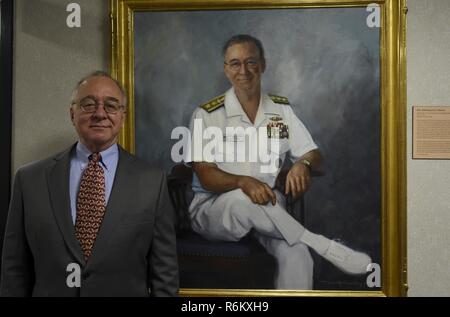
(346, 259)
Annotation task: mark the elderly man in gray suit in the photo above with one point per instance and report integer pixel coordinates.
(93, 210)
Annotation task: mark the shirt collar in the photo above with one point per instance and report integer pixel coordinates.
(234, 108)
(83, 153)
(232, 105)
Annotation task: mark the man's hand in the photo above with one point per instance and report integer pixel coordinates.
(259, 192)
(297, 180)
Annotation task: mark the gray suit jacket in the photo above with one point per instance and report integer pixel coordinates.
(135, 250)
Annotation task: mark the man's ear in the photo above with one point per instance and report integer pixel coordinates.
(225, 71)
(263, 66)
(124, 115)
(72, 114)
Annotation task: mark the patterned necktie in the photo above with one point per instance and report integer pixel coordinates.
(91, 204)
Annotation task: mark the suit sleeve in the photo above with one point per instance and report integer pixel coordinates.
(17, 273)
(163, 255)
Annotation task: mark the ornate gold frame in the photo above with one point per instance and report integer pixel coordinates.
(393, 123)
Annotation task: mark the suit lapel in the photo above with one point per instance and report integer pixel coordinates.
(58, 183)
(121, 194)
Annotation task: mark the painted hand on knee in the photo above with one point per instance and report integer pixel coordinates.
(259, 192)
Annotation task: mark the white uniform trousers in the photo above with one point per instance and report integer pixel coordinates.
(232, 215)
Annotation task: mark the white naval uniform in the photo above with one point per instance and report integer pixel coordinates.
(230, 216)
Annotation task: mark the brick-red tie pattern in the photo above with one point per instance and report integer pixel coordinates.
(91, 205)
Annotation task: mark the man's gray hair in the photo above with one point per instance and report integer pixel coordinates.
(99, 73)
(244, 38)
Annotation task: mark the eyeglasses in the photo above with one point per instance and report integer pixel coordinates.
(90, 105)
(235, 64)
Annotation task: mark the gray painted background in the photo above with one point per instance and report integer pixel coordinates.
(326, 61)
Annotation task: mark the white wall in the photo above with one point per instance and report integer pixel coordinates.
(50, 58)
(428, 46)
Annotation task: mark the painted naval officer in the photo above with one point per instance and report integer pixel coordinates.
(232, 197)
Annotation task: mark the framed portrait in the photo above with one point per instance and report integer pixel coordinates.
(341, 66)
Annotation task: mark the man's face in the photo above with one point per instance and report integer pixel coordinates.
(243, 67)
(97, 130)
